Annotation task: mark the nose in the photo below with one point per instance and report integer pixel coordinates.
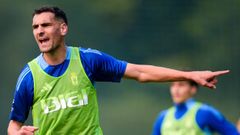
(174, 89)
(40, 31)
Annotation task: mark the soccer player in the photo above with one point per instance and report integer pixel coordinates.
(238, 125)
(58, 85)
(189, 117)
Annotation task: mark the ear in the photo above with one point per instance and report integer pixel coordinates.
(193, 90)
(63, 29)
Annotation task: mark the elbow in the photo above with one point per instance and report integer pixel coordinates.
(9, 131)
(142, 79)
(13, 127)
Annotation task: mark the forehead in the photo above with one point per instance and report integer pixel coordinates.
(181, 83)
(43, 18)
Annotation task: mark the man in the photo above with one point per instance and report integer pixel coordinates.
(58, 85)
(238, 125)
(188, 117)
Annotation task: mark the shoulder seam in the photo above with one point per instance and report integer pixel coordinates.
(21, 77)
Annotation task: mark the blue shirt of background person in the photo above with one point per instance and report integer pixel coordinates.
(207, 118)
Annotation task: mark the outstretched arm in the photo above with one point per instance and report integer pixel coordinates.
(17, 128)
(149, 73)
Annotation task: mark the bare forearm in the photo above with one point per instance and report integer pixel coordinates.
(14, 127)
(17, 128)
(149, 73)
(161, 74)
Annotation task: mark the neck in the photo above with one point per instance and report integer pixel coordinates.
(55, 57)
(182, 108)
(184, 104)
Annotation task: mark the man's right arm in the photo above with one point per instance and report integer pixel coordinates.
(22, 103)
(14, 127)
(17, 128)
(158, 123)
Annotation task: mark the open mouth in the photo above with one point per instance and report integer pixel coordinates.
(43, 40)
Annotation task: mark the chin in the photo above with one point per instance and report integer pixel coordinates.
(178, 101)
(44, 50)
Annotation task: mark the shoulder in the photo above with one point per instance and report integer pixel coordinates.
(158, 122)
(161, 116)
(24, 77)
(23, 96)
(89, 51)
(207, 110)
(208, 116)
(92, 56)
(102, 66)
(211, 118)
(96, 55)
(163, 113)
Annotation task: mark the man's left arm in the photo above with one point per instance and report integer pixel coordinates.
(104, 67)
(210, 118)
(149, 73)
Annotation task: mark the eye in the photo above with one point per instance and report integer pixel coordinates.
(46, 24)
(35, 26)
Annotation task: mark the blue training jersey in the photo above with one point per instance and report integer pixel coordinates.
(97, 65)
(207, 118)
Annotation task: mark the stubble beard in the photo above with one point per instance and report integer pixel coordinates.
(50, 50)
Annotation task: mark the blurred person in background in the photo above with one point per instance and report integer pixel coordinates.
(58, 85)
(238, 125)
(189, 117)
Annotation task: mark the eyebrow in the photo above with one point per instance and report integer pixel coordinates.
(43, 24)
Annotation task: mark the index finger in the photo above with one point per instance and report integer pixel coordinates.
(218, 73)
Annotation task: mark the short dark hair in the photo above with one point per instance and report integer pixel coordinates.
(193, 83)
(59, 14)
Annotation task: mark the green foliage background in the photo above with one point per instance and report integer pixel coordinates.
(180, 34)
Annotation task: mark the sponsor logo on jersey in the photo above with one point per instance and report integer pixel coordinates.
(64, 101)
